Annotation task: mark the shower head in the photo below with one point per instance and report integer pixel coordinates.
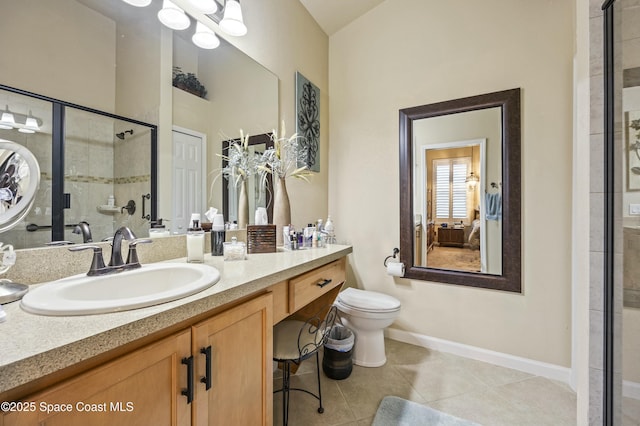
(122, 134)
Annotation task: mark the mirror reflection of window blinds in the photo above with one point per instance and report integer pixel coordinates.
(441, 182)
(459, 190)
(450, 188)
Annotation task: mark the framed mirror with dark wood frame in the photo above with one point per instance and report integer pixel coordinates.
(460, 198)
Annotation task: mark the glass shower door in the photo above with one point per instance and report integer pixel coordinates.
(106, 168)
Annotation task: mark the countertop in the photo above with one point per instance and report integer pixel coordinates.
(33, 346)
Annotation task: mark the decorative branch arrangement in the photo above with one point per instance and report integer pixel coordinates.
(282, 160)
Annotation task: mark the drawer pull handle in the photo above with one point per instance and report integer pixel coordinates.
(322, 283)
(207, 378)
(188, 392)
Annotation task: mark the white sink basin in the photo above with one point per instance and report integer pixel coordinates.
(151, 284)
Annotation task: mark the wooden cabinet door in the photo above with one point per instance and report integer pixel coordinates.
(141, 388)
(240, 344)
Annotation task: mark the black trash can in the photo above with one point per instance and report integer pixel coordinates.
(338, 350)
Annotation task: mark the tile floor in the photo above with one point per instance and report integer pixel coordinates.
(474, 390)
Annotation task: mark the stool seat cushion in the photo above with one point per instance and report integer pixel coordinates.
(285, 340)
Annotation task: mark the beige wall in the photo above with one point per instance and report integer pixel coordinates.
(284, 38)
(422, 57)
(582, 180)
(48, 65)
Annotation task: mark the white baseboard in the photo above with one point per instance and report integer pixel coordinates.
(543, 369)
(550, 371)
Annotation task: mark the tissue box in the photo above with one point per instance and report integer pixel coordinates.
(261, 238)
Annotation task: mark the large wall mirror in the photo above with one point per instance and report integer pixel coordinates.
(110, 56)
(460, 191)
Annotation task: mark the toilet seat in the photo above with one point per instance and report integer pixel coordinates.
(368, 301)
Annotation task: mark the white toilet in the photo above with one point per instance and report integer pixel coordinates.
(367, 313)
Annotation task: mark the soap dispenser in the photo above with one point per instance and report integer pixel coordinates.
(158, 230)
(195, 241)
(217, 235)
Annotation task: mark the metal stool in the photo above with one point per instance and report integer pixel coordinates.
(293, 342)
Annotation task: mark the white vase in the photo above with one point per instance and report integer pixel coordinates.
(281, 208)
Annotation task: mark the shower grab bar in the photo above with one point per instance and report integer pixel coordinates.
(32, 227)
(146, 196)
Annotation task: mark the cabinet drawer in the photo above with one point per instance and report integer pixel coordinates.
(311, 285)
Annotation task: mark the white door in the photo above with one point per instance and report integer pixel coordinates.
(189, 162)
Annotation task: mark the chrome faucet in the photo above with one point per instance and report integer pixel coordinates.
(83, 228)
(116, 246)
(116, 264)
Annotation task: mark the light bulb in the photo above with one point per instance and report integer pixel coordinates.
(30, 126)
(232, 23)
(173, 17)
(138, 3)
(207, 7)
(204, 37)
(7, 121)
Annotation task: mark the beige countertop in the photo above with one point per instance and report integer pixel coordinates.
(33, 346)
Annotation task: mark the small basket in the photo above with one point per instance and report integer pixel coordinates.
(261, 238)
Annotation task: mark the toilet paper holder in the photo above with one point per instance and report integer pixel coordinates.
(395, 252)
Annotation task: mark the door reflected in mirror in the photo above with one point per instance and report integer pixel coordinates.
(460, 191)
(458, 212)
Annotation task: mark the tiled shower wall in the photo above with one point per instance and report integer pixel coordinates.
(596, 236)
(88, 171)
(132, 172)
(597, 193)
(97, 165)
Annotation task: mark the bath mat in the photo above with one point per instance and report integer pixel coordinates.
(400, 412)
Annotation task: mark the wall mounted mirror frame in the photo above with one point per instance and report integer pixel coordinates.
(260, 142)
(510, 278)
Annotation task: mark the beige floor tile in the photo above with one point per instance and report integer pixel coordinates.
(539, 394)
(303, 408)
(487, 408)
(489, 374)
(474, 390)
(399, 353)
(440, 379)
(366, 387)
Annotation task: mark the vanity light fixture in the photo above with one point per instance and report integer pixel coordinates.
(138, 3)
(7, 122)
(30, 125)
(204, 37)
(207, 7)
(173, 17)
(232, 22)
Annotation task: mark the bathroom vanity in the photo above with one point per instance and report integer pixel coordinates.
(204, 359)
